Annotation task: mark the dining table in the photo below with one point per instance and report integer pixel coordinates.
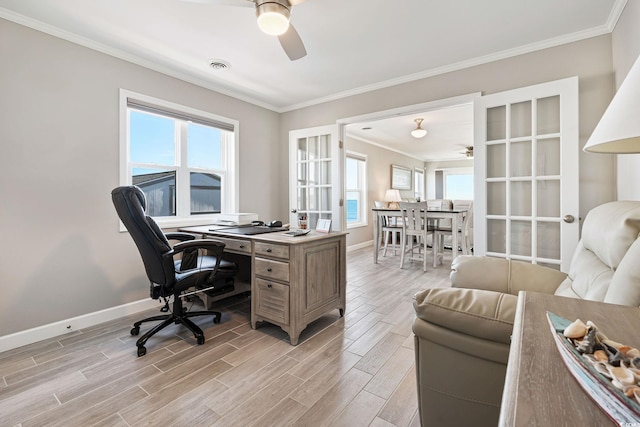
(455, 215)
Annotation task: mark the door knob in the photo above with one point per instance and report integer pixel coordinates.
(294, 210)
(568, 219)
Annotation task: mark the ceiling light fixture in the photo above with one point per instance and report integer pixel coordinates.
(273, 17)
(418, 132)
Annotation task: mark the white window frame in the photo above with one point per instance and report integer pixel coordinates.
(422, 195)
(229, 162)
(362, 181)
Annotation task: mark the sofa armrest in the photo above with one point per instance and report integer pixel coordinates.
(502, 275)
(482, 314)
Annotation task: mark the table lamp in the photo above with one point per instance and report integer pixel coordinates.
(392, 197)
(618, 131)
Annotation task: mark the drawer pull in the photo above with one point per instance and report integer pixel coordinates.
(269, 250)
(269, 285)
(242, 246)
(269, 269)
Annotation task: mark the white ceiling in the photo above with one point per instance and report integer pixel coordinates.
(353, 46)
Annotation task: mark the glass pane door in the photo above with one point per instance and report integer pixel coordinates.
(315, 176)
(527, 174)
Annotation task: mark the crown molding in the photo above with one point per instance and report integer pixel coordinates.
(607, 28)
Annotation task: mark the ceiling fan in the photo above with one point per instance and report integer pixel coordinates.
(273, 19)
(468, 151)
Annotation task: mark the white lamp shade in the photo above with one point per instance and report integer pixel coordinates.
(619, 128)
(418, 133)
(392, 196)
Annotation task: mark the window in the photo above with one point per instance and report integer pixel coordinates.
(418, 178)
(458, 184)
(356, 189)
(183, 159)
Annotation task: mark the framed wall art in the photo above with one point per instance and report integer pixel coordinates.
(400, 177)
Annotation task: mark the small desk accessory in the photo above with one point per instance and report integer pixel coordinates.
(323, 226)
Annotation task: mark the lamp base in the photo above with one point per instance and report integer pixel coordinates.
(393, 205)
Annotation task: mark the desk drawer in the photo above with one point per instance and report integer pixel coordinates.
(272, 250)
(271, 269)
(272, 301)
(235, 245)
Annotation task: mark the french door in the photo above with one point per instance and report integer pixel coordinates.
(526, 174)
(315, 176)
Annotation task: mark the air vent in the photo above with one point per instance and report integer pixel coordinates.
(219, 64)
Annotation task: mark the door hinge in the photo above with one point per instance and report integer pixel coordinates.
(341, 204)
(340, 144)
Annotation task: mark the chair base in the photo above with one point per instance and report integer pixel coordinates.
(173, 318)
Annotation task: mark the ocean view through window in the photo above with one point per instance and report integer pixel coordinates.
(356, 194)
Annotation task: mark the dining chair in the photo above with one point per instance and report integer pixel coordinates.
(465, 232)
(390, 230)
(415, 230)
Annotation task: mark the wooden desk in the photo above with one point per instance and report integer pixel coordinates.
(539, 390)
(294, 280)
(456, 217)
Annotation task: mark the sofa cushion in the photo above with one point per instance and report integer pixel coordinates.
(483, 314)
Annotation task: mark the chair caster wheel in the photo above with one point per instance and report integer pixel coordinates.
(142, 351)
(216, 319)
(135, 331)
(200, 340)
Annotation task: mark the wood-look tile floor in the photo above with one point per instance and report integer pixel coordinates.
(357, 370)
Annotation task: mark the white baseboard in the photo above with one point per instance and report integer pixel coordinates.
(62, 327)
(360, 246)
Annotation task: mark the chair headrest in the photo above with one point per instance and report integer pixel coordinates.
(131, 191)
(610, 229)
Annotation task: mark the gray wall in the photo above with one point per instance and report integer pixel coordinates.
(589, 59)
(59, 134)
(379, 163)
(59, 163)
(626, 49)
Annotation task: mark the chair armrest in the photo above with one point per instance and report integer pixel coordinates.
(215, 246)
(478, 313)
(502, 275)
(179, 235)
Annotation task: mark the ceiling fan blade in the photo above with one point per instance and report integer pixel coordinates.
(295, 2)
(292, 44)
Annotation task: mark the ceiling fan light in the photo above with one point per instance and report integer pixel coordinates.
(418, 132)
(273, 18)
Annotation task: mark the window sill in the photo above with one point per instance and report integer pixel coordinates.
(356, 225)
(178, 222)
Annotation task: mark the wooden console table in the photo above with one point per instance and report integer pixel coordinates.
(294, 280)
(539, 390)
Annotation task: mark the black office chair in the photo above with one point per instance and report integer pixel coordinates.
(171, 277)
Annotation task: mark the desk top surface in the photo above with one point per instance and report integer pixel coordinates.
(272, 237)
(428, 210)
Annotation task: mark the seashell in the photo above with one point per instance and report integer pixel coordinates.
(601, 356)
(636, 394)
(624, 349)
(622, 375)
(630, 389)
(619, 359)
(602, 368)
(633, 353)
(577, 329)
(588, 342)
(635, 362)
(612, 343)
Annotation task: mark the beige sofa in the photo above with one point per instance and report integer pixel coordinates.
(462, 333)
